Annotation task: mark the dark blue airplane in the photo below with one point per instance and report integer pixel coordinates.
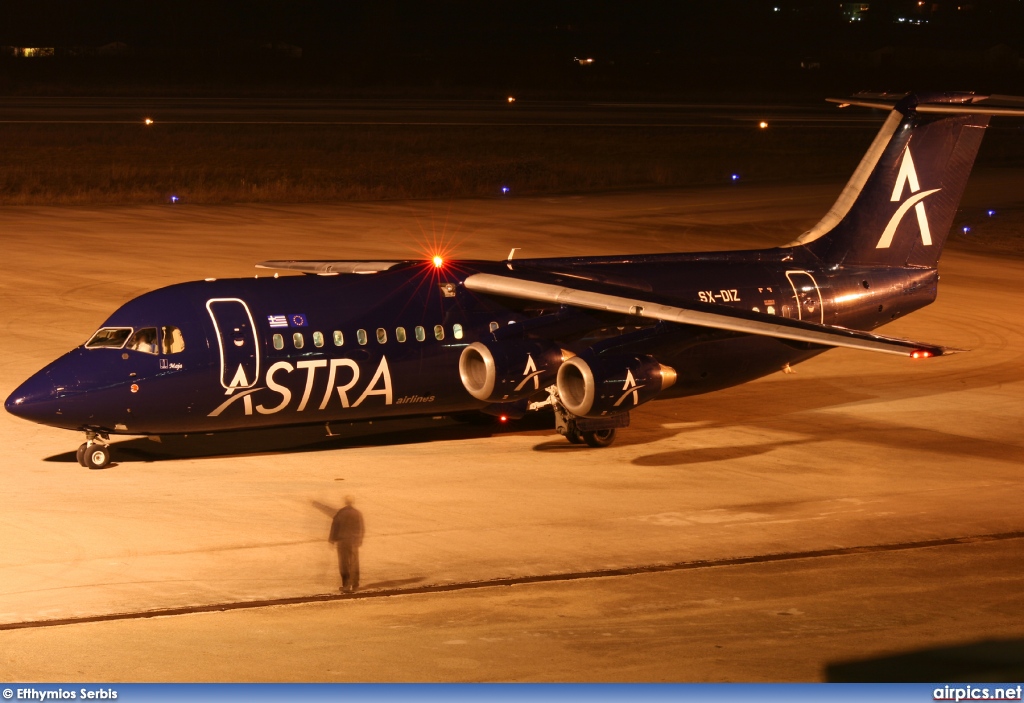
(590, 337)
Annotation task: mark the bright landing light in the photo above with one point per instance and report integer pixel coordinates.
(438, 262)
(148, 121)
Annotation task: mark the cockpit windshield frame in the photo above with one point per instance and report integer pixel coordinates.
(115, 338)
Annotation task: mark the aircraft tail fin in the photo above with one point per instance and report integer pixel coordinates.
(898, 207)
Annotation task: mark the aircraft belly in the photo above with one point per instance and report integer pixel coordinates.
(721, 363)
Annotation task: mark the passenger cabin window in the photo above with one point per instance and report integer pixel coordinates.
(400, 334)
(318, 339)
(361, 336)
(109, 338)
(339, 338)
(457, 330)
(144, 340)
(438, 332)
(298, 340)
(421, 333)
(382, 335)
(171, 341)
(278, 342)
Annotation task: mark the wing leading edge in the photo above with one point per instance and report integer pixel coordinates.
(749, 323)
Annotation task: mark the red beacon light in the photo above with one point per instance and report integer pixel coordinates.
(920, 354)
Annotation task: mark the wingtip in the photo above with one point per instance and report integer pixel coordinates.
(928, 352)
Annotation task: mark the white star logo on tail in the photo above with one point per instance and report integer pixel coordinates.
(907, 177)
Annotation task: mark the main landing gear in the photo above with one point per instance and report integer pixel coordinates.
(594, 432)
(94, 454)
(592, 438)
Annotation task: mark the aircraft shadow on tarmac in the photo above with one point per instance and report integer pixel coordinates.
(702, 455)
(985, 660)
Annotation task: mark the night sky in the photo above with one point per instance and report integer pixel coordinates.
(443, 43)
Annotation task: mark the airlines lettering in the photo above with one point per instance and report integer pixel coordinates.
(342, 376)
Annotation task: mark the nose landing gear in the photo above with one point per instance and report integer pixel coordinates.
(94, 453)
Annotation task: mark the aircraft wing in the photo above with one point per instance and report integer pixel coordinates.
(330, 267)
(745, 322)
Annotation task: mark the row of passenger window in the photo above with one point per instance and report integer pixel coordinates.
(420, 333)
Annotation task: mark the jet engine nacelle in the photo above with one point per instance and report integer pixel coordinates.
(590, 387)
(502, 371)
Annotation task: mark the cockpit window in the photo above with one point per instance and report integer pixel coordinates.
(109, 338)
(144, 340)
(171, 341)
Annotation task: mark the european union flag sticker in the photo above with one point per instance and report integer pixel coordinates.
(297, 320)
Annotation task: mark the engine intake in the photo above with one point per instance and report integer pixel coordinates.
(498, 372)
(598, 387)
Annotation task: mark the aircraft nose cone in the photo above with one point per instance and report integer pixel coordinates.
(31, 398)
(39, 398)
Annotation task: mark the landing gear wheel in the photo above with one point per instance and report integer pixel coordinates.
(97, 456)
(599, 438)
(80, 454)
(574, 436)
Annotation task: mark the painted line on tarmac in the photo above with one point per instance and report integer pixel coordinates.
(729, 122)
(520, 580)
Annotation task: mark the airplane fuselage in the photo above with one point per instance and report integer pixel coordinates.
(318, 349)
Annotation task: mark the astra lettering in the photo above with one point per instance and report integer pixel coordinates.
(342, 377)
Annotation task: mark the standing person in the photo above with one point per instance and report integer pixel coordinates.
(347, 535)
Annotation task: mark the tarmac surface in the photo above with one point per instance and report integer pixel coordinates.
(862, 507)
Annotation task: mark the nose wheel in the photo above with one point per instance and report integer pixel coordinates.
(94, 453)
